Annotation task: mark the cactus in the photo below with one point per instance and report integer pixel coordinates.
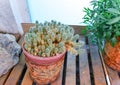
(50, 38)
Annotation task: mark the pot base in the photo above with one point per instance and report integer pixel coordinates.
(44, 74)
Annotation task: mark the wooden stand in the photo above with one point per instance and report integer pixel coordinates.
(85, 69)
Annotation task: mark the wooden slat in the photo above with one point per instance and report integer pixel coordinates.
(98, 72)
(3, 78)
(26, 26)
(27, 80)
(17, 70)
(84, 66)
(17, 36)
(71, 70)
(59, 80)
(77, 28)
(15, 74)
(114, 78)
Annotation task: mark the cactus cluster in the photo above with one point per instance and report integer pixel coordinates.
(50, 38)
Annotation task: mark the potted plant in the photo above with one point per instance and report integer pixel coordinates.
(103, 26)
(44, 47)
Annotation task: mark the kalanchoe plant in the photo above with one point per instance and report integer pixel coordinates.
(50, 38)
(103, 20)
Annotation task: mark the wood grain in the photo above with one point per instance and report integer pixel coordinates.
(27, 80)
(98, 71)
(84, 65)
(26, 26)
(113, 75)
(71, 70)
(4, 77)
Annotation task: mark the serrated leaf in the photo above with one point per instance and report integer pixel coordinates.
(113, 10)
(114, 20)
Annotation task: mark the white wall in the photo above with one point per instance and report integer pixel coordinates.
(66, 11)
(23, 10)
(7, 20)
(20, 12)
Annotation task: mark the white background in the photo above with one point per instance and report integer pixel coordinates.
(66, 11)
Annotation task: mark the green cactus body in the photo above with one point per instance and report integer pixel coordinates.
(47, 52)
(58, 37)
(50, 38)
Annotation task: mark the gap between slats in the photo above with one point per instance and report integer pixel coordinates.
(98, 70)
(27, 80)
(22, 75)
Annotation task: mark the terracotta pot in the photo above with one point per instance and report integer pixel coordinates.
(112, 56)
(44, 70)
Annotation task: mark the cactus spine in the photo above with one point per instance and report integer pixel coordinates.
(50, 38)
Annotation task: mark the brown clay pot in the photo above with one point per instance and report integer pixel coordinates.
(112, 56)
(44, 70)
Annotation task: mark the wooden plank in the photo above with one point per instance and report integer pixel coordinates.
(77, 28)
(105, 70)
(17, 70)
(71, 70)
(21, 41)
(17, 36)
(113, 75)
(59, 80)
(26, 26)
(15, 74)
(98, 71)
(3, 78)
(27, 80)
(84, 66)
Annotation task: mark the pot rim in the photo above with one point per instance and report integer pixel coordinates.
(37, 59)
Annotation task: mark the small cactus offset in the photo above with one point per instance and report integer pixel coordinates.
(50, 38)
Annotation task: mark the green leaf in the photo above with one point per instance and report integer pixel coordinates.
(84, 31)
(114, 3)
(117, 33)
(113, 10)
(101, 17)
(113, 41)
(108, 35)
(114, 20)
